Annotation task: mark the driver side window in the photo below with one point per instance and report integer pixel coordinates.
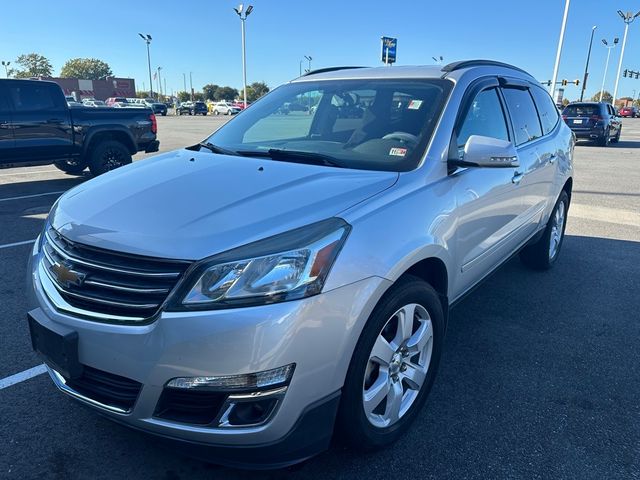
(485, 117)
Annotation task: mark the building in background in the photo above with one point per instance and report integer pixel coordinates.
(98, 89)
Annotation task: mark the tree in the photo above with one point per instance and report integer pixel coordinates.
(256, 90)
(86, 69)
(184, 96)
(225, 93)
(606, 97)
(210, 91)
(565, 101)
(33, 65)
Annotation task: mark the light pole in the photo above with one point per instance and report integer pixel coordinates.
(159, 83)
(586, 67)
(243, 18)
(6, 68)
(147, 39)
(554, 79)
(308, 57)
(191, 84)
(438, 60)
(627, 18)
(184, 79)
(606, 65)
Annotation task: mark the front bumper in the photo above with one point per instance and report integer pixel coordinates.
(318, 334)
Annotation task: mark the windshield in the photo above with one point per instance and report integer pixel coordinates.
(362, 124)
(581, 110)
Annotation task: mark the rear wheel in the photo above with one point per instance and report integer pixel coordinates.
(616, 139)
(393, 366)
(71, 166)
(606, 138)
(216, 112)
(108, 155)
(543, 254)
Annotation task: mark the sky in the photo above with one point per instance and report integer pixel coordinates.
(203, 36)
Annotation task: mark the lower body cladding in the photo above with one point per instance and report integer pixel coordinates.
(254, 386)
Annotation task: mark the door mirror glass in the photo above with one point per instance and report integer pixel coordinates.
(488, 152)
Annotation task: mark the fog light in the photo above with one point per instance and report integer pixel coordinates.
(249, 381)
(251, 413)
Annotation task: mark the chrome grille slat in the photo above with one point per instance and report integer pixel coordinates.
(107, 268)
(131, 294)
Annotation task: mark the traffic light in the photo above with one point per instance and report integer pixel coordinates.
(637, 75)
(624, 74)
(577, 82)
(564, 83)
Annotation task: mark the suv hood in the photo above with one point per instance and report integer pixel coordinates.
(190, 205)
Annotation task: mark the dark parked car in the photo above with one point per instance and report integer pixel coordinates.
(37, 126)
(199, 108)
(632, 112)
(598, 122)
(184, 108)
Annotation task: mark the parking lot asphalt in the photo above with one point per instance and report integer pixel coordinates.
(539, 378)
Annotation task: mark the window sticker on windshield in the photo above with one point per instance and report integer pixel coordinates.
(398, 152)
(414, 104)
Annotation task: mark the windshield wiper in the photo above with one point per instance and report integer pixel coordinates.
(297, 156)
(217, 149)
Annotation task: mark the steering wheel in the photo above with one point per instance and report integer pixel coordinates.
(403, 137)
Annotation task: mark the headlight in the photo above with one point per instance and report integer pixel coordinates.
(289, 266)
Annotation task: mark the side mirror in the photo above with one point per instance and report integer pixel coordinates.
(487, 152)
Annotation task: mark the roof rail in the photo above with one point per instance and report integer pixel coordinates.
(452, 67)
(329, 69)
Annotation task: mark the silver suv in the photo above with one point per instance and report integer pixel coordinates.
(290, 276)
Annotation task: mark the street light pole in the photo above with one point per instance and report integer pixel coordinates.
(191, 84)
(554, 79)
(606, 65)
(243, 18)
(586, 67)
(6, 68)
(184, 80)
(159, 83)
(627, 18)
(147, 39)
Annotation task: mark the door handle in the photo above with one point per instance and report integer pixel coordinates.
(517, 177)
(552, 159)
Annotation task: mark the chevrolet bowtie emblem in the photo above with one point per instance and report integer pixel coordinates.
(65, 276)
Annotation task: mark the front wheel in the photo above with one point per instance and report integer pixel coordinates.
(543, 254)
(71, 166)
(616, 139)
(393, 366)
(108, 155)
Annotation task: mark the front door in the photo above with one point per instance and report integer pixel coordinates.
(7, 144)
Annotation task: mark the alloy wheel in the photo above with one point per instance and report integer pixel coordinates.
(398, 365)
(557, 230)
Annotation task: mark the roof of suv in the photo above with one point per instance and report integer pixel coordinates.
(454, 70)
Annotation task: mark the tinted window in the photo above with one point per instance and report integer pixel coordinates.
(485, 117)
(526, 124)
(581, 110)
(546, 109)
(32, 97)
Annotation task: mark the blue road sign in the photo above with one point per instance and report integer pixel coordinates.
(389, 46)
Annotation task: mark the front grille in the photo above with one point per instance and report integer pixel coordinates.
(106, 388)
(130, 287)
(195, 407)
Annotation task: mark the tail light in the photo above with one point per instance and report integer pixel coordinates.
(597, 118)
(564, 117)
(154, 124)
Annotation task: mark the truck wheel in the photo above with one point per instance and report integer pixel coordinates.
(72, 167)
(108, 155)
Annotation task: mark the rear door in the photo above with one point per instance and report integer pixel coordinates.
(7, 143)
(41, 121)
(534, 154)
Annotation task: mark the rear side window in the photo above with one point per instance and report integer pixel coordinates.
(29, 97)
(526, 124)
(485, 117)
(546, 109)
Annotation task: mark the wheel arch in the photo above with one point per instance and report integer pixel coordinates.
(118, 134)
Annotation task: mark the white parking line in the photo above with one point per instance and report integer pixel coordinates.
(32, 172)
(21, 197)
(22, 376)
(16, 244)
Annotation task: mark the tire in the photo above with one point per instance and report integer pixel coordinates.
(616, 139)
(379, 428)
(216, 112)
(605, 140)
(108, 155)
(72, 167)
(539, 256)
(228, 112)
(164, 114)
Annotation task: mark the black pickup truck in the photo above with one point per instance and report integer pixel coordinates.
(37, 127)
